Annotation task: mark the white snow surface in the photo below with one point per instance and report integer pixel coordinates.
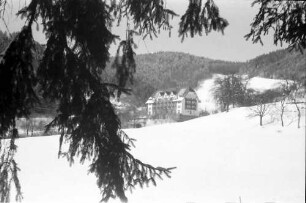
(206, 87)
(218, 158)
(262, 84)
(205, 94)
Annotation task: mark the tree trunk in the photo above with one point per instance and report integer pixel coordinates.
(281, 116)
(260, 120)
(299, 113)
(299, 118)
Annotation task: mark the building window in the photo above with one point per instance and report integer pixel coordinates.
(190, 104)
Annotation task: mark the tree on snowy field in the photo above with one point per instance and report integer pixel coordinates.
(285, 91)
(282, 108)
(296, 95)
(260, 110)
(229, 91)
(262, 105)
(79, 35)
(221, 93)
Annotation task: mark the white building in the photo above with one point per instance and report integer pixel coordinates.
(174, 102)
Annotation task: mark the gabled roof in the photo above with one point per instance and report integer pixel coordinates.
(184, 91)
(176, 92)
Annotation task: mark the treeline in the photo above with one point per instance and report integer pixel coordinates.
(281, 64)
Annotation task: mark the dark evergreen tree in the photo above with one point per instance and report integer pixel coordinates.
(78, 40)
(285, 18)
(78, 36)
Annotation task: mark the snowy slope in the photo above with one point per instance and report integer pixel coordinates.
(262, 84)
(205, 94)
(218, 158)
(205, 90)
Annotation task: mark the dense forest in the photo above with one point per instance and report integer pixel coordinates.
(281, 64)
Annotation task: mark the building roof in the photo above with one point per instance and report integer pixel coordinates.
(178, 93)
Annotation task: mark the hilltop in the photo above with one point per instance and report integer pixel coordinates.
(281, 64)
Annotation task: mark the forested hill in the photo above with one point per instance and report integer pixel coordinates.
(175, 69)
(278, 64)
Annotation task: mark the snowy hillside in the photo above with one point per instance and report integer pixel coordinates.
(263, 84)
(205, 90)
(218, 158)
(205, 94)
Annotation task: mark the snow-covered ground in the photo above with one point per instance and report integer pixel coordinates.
(205, 94)
(262, 84)
(218, 158)
(205, 90)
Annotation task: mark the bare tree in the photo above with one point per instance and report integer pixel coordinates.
(296, 93)
(261, 110)
(282, 109)
(262, 105)
(285, 90)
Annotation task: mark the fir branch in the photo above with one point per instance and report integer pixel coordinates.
(196, 19)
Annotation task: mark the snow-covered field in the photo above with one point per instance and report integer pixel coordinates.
(262, 84)
(205, 90)
(218, 158)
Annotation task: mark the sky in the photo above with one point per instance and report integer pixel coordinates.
(231, 46)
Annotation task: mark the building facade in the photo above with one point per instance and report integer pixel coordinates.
(173, 102)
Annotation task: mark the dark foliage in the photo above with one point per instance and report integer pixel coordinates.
(4, 41)
(125, 64)
(78, 36)
(69, 72)
(148, 17)
(285, 18)
(196, 19)
(17, 80)
(43, 107)
(9, 169)
(281, 64)
(229, 90)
